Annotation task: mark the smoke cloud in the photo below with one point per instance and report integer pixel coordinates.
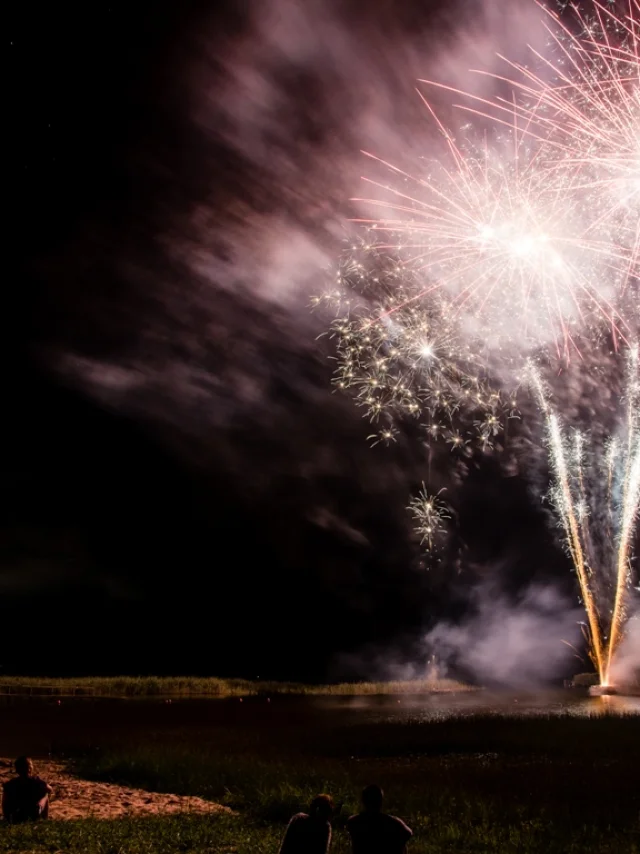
(504, 641)
(520, 643)
(625, 669)
(214, 321)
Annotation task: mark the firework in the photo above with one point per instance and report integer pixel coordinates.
(403, 357)
(522, 237)
(502, 242)
(429, 513)
(584, 105)
(629, 505)
(598, 528)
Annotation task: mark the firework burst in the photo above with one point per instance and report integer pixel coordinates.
(494, 235)
(403, 358)
(583, 104)
(430, 513)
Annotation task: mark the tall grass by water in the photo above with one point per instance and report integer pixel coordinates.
(211, 686)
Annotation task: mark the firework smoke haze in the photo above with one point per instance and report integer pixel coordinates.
(286, 101)
(518, 643)
(502, 641)
(307, 86)
(625, 668)
(292, 95)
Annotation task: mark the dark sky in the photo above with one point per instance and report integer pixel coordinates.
(181, 491)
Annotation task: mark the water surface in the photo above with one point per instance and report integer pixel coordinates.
(48, 725)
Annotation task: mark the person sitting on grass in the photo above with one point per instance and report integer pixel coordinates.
(26, 797)
(374, 832)
(310, 834)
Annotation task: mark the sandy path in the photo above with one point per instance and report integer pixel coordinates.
(76, 798)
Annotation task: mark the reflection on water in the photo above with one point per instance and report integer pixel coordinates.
(441, 706)
(42, 725)
(617, 705)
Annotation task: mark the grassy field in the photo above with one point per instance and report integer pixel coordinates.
(558, 785)
(227, 835)
(211, 686)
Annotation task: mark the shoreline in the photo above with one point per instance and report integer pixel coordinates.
(76, 798)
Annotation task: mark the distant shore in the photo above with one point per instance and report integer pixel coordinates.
(210, 686)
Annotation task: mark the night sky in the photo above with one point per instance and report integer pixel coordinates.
(182, 491)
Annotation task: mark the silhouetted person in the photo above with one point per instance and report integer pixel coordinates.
(373, 832)
(26, 797)
(310, 834)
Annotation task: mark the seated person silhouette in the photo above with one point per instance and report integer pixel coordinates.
(26, 797)
(310, 834)
(374, 832)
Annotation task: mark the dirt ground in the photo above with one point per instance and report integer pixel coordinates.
(75, 798)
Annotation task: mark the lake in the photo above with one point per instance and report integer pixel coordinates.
(46, 725)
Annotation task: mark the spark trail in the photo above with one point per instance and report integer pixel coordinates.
(602, 552)
(629, 507)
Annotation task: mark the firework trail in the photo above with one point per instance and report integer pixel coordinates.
(629, 504)
(523, 237)
(580, 467)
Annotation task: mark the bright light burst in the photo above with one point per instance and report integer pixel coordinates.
(599, 134)
(500, 239)
(583, 106)
(596, 494)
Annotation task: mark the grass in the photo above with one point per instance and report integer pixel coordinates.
(469, 785)
(211, 686)
(223, 835)
(166, 835)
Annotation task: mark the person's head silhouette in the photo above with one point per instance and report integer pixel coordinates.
(321, 808)
(372, 798)
(23, 766)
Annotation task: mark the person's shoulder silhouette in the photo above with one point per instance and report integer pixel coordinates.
(375, 832)
(310, 833)
(26, 797)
